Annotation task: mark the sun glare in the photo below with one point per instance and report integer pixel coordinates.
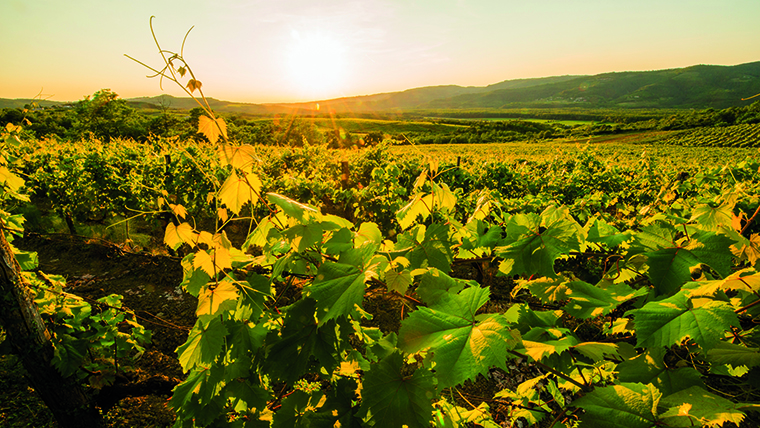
(316, 64)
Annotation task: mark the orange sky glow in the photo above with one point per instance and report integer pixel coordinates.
(298, 50)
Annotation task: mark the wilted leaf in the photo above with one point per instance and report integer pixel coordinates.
(193, 84)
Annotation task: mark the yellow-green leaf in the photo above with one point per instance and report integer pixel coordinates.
(175, 236)
(204, 261)
(212, 298)
(211, 128)
(241, 157)
(178, 210)
(238, 190)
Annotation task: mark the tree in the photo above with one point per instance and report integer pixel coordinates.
(105, 116)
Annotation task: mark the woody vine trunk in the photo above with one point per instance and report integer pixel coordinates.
(30, 340)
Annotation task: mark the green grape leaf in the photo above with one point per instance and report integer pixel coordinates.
(745, 279)
(423, 205)
(338, 288)
(28, 260)
(244, 395)
(69, 354)
(650, 368)
(368, 232)
(259, 235)
(184, 392)
(340, 241)
(480, 234)
(670, 262)
(297, 210)
(204, 343)
(536, 242)
(294, 409)
(452, 416)
(748, 249)
(304, 236)
(628, 405)
(434, 250)
(398, 281)
(526, 401)
(193, 279)
(587, 301)
(540, 342)
(526, 318)
(337, 410)
(668, 322)
(734, 354)
(392, 398)
(436, 284)
(599, 351)
(301, 340)
(604, 233)
(712, 218)
(697, 407)
(463, 344)
(239, 189)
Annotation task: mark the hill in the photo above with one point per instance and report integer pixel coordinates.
(22, 102)
(699, 86)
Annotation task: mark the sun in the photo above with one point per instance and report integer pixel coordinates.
(316, 64)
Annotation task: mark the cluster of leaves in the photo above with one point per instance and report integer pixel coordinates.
(93, 344)
(282, 337)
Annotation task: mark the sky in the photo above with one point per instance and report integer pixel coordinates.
(267, 51)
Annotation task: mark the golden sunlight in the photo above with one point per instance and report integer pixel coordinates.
(316, 64)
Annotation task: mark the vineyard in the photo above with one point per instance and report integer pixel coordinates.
(746, 135)
(565, 290)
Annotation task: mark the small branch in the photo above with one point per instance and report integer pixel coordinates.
(746, 225)
(751, 305)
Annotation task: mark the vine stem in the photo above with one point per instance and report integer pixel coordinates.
(746, 225)
(554, 422)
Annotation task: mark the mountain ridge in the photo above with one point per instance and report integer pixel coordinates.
(697, 86)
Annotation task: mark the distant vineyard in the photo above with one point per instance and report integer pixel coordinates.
(746, 135)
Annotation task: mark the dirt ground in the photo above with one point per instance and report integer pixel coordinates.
(150, 286)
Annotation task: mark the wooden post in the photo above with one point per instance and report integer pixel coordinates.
(30, 341)
(344, 174)
(459, 161)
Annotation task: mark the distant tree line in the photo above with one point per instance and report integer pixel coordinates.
(104, 116)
